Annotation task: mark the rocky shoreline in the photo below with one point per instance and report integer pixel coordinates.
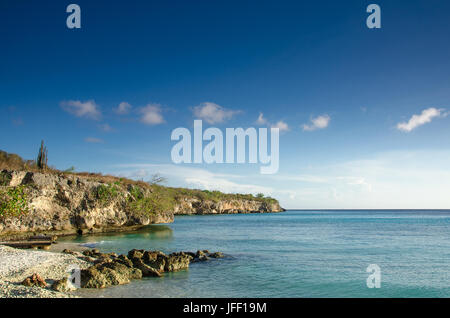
(30, 273)
(67, 204)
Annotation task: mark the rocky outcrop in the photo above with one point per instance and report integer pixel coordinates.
(196, 206)
(63, 285)
(34, 281)
(114, 270)
(65, 204)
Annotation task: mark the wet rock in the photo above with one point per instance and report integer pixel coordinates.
(63, 285)
(108, 274)
(176, 262)
(122, 259)
(155, 259)
(88, 259)
(135, 254)
(92, 253)
(34, 280)
(201, 253)
(216, 255)
(102, 260)
(70, 252)
(146, 270)
(123, 270)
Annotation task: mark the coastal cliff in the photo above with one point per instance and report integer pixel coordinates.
(65, 204)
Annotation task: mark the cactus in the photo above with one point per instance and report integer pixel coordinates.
(41, 160)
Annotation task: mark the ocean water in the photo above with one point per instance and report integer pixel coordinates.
(294, 254)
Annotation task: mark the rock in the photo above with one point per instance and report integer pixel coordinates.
(122, 259)
(93, 278)
(216, 255)
(70, 252)
(176, 262)
(70, 204)
(191, 254)
(34, 280)
(88, 259)
(135, 254)
(201, 258)
(101, 276)
(92, 253)
(155, 259)
(123, 270)
(63, 285)
(102, 260)
(146, 270)
(201, 253)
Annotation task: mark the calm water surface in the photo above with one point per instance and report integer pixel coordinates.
(294, 254)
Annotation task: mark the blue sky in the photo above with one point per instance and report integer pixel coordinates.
(295, 62)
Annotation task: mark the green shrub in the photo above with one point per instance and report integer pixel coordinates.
(13, 202)
(159, 200)
(136, 192)
(106, 193)
(5, 178)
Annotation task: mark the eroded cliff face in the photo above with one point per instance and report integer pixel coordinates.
(64, 204)
(195, 206)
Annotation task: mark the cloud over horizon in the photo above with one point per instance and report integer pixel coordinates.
(425, 117)
(213, 113)
(281, 125)
(88, 109)
(123, 108)
(320, 122)
(261, 120)
(151, 114)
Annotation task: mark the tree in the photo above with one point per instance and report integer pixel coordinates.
(42, 159)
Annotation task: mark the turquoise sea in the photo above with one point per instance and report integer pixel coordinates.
(295, 254)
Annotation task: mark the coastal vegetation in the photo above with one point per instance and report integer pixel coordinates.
(164, 196)
(63, 202)
(13, 202)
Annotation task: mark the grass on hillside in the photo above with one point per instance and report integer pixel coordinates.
(162, 196)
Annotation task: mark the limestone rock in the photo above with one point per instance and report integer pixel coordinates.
(146, 270)
(176, 262)
(70, 204)
(63, 285)
(34, 280)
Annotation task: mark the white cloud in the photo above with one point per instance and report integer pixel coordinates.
(320, 122)
(195, 178)
(213, 113)
(93, 140)
(86, 109)
(281, 125)
(261, 120)
(123, 108)
(418, 120)
(151, 114)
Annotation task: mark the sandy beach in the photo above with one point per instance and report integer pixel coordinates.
(17, 264)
